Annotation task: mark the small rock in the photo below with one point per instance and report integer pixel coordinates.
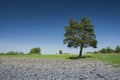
(35, 75)
(81, 78)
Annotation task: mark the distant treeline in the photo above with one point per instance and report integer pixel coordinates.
(12, 53)
(35, 50)
(108, 50)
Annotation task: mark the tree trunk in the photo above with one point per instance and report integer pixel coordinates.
(81, 48)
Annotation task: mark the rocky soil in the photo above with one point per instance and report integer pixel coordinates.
(56, 69)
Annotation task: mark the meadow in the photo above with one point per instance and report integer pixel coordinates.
(111, 58)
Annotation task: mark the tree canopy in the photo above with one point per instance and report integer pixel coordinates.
(117, 49)
(80, 34)
(36, 50)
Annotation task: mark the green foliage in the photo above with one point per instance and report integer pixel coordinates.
(2, 53)
(109, 50)
(95, 52)
(106, 50)
(103, 50)
(35, 51)
(117, 49)
(80, 34)
(13, 53)
(60, 52)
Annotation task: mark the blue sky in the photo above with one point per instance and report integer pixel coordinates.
(25, 24)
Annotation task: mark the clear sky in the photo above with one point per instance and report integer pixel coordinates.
(25, 24)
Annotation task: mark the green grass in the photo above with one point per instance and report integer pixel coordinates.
(63, 56)
(111, 58)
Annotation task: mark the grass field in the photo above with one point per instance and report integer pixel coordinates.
(63, 56)
(112, 58)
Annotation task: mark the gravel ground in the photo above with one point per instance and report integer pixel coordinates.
(56, 69)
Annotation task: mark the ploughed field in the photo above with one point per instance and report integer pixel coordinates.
(12, 68)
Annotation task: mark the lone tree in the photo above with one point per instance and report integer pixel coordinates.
(60, 52)
(80, 34)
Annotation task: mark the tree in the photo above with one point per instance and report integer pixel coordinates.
(109, 50)
(80, 34)
(60, 52)
(117, 49)
(35, 51)
(12, 53)
(103, 50)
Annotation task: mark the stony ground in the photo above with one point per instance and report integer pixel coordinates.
(56, 69)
